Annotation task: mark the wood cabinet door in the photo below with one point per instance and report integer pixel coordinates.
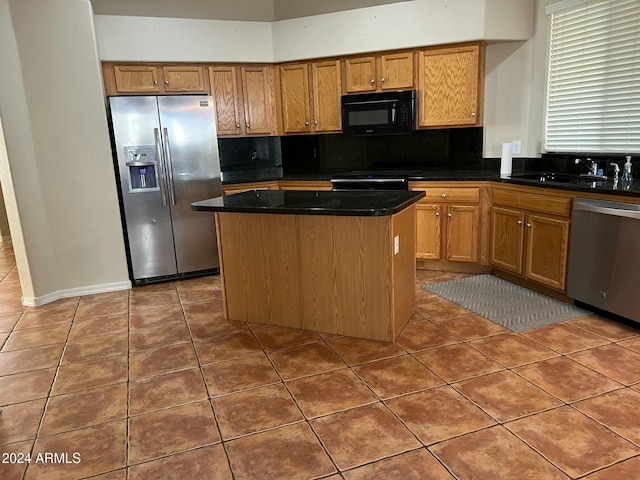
(507, 239)
(396, 71)
(257, 84)
(294, 91)
(547, 242)
(224, 90)
(184, 78)
(360, 74)
(448, 84)
(136, 79)
(428, 231)
(462, 233)
(326, 88)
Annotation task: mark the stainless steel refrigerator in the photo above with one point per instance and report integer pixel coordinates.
(166, 151)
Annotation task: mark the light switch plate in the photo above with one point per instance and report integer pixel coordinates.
(396, 244)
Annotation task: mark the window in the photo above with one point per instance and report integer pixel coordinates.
(593, 84)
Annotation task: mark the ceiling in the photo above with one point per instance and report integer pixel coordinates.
(245, 10)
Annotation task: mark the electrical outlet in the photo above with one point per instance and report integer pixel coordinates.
(516, 146)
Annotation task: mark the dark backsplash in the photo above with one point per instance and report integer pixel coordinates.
(441, 149)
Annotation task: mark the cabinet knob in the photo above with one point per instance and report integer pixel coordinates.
(437, 213)
(166, 82)
(528, 225)
(382, 79)
(449, 214)
(315, 123)
(373, 81)
(248, 126)
(306, 123)
(237, 125)
(473, 114)
(444, 195)
(519, 222)
(155, 82)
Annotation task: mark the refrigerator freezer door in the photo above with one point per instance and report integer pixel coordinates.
(193, 170)
(148, 222)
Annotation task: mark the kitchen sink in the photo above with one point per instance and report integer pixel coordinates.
(560, 177)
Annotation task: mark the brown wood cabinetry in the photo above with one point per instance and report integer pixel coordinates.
(389, 71)
(304, 185)
(530, 235)
(310, 97)
(154, 79)
(230, 189)
(449, 223)
(244, 99)
(450, 86)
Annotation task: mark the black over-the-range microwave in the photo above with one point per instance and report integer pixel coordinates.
(378, 113)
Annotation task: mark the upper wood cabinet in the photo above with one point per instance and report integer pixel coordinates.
(310, 97)
(243, 97)
(450, 86)
(390, 71)
(154, 79)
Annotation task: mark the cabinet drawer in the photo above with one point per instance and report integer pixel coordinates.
(532, 201)
(451, 195)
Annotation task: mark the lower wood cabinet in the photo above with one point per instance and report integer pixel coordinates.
(448, 223)
(530, 235)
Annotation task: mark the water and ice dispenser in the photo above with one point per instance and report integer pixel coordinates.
(142, 168)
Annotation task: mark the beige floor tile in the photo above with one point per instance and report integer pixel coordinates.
(74, 377)
(20, 422)
(469, 326)
(22, 387)
(90, 348)
(207, 463)
(155, 316)
(614, 361)
(566, 379)
(565, 338)
(513, 349)
(457, 362)
(216, 326)
(305, 360)
(161, 360)
(229, 347)
(363, 435)
(277, 338)
(438, 414)
(423, 335)
(84, 409)
(568, 439)
(360, 350)
(506, 396)
(102, 325)
(8, 322)
(396, 376)
(159, 335)
(330, 392)
(415, 465)
(167, 390)
(93, 306)
(97, 450)
(37, 337)
(164, 432)
(492, 454)
(255, 410)
(605, 327)
(37, 358)
(288, 452)
(46, 318)
(616, 410)
(627, 469)
(236, 375)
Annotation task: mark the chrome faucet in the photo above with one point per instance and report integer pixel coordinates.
(590, 164)
(616, 173)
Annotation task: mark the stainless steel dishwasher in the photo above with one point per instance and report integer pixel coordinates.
(604, 258)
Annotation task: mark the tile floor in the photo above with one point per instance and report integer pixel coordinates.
(154, 384)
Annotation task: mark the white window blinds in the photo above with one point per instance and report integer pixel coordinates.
(593, 89)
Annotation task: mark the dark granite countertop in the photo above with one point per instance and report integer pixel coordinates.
(369, 203)
(575, 183)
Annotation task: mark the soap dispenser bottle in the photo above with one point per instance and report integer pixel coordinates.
(627, 176)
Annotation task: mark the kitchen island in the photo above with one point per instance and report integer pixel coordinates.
(332, 262)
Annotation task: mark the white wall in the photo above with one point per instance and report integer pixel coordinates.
(59, 155)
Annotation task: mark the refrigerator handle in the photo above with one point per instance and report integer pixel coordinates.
(172, 188)
(163, 194)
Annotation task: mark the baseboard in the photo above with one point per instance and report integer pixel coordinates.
(75, 292)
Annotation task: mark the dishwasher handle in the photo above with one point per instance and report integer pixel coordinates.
(616, 209)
